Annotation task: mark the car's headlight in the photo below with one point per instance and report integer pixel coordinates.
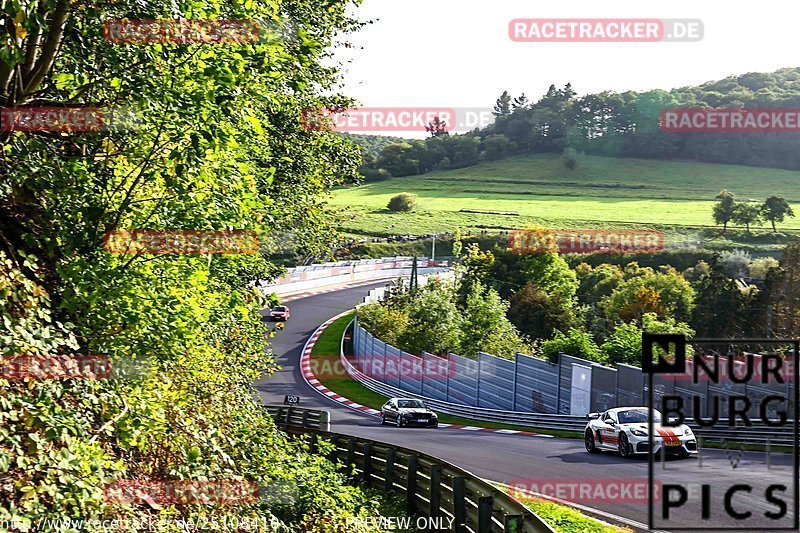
(639, 432)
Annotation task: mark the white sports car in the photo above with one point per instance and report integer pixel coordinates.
(624, 429)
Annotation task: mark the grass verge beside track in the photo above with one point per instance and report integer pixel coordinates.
(563, 518)
(325, 355)
(567, 520)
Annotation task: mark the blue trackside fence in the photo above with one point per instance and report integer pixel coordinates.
(572, 386)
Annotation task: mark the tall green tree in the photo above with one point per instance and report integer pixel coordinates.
(398, 159)
(511, 271)
(776, 209)
(502, 106)
(747, 213)
(386, 322)
(575, 342)
(485, 328)
(782, 289)
(723, 311)
(624, 345)
(218, 144)
(664, 294)
(496, 147)
(537, 313)
(434, 321)
(475, 268)
(724, 209)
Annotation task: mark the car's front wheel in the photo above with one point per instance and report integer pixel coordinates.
(625, 448)
(588, 441)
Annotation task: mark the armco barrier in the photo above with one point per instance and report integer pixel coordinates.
(758, 433)
(432, 487)
(286, 415)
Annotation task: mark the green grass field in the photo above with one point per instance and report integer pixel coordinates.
(539, 189)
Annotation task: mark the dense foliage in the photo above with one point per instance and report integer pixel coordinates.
(218, 144)
(505, 302)
(431, 319)
(612, 124)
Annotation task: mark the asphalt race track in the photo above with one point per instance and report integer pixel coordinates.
(512, 458)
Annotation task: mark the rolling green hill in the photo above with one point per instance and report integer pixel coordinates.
(539, 189)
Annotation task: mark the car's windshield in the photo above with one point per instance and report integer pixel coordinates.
(279, 308)
(635, 416)
(410, 404)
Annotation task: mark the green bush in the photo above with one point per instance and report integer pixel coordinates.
(485, 328)
(570, 158)
(624, 345)
(385, 323)
(403, 202)
(189, 414)
(576, 343)
(434, 321)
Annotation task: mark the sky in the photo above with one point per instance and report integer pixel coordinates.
(458, 53)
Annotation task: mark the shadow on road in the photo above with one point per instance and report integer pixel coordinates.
(607, 458)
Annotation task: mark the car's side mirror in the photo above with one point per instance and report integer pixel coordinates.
(593, 416)
(611, 422)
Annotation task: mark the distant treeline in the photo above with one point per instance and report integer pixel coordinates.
(607, 124)
(372, 145)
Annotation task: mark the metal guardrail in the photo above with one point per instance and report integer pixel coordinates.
(432, 487)
(286, 415)
(756, 434)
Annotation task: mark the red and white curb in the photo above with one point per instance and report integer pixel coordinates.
(311, 379)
